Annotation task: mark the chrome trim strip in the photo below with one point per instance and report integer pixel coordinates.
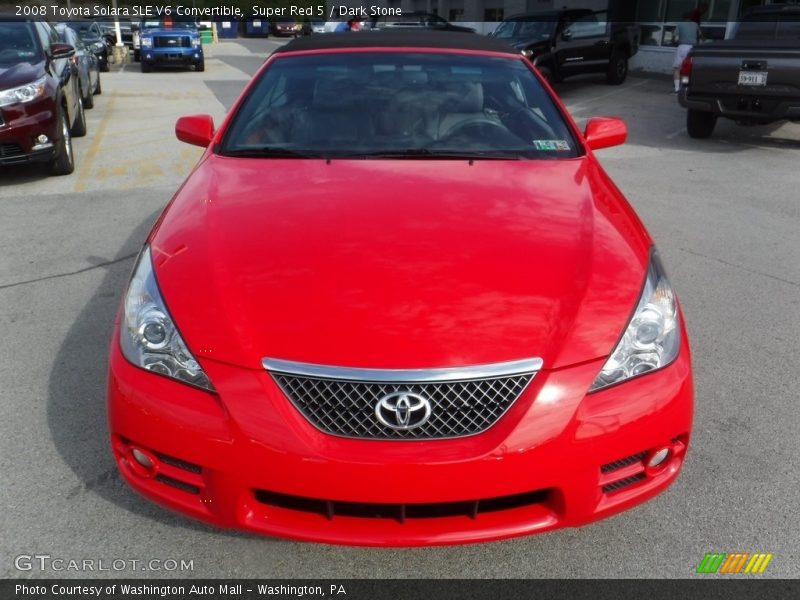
(513, 367)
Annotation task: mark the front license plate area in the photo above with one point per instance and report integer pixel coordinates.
(752, 78)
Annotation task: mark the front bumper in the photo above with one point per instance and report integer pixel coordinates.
(247, 459)
(748, 107)
(170, 56)
(20, 125)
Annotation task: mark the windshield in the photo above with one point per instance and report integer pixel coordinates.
(532, 30)
(17, 43)
(390, 104)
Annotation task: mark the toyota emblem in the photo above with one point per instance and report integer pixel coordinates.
(403, 411)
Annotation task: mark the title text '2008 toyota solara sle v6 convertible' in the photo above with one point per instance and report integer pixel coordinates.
(399, 302)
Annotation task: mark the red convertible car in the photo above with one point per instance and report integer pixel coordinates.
(456, 329)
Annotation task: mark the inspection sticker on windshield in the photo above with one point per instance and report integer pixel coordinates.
(557, 145)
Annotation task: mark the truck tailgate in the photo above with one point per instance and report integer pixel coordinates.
(759, 68)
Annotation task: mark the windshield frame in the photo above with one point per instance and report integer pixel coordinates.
(577, 149)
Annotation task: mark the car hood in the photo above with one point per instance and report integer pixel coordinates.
(20, 74)
(399, 263)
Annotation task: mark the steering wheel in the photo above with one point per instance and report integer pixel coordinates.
(474, 124)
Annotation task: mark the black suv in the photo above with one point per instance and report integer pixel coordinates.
(571, 42)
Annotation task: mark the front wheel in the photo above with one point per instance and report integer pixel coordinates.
(88, 99)
(617, 69)
(145, 67)
(699, 123)
(98, 88)
(79, 125)
(63, 162)
(200, 66)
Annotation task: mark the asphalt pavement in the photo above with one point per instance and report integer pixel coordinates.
(724, 213)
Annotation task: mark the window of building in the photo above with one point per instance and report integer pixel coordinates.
(493, 14)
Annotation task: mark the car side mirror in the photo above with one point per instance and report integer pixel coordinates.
(61, 51)
(566, 35)
(604, 132)
(197, 130)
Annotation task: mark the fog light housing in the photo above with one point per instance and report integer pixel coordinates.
(658, 458)
(42, 139)
(142, 462)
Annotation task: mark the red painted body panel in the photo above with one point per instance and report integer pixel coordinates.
(398, 264)
(250, 437)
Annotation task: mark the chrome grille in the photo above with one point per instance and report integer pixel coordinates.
(459, 407)
(173, 41)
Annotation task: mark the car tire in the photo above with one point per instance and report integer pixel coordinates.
(104, 64)
(79, 124)
(99, 88)
(200, 66)
(145, 67)
(700, 123)
(63, 162)
(88, 99)
(617, 69)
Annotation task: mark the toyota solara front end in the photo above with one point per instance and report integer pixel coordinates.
(455, 329)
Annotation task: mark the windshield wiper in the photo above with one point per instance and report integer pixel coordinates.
(434, 154)
(268, 152)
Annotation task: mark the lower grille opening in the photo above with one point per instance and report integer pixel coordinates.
(178, 463)
(623, 462)
(176, 483)
(10, 150)
(623, 483)
(401, 512)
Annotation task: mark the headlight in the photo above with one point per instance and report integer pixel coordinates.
(196, 42)
(652, 337)
(148, 337)
(147, 42)
(527, 53)
(98, 45)
(23, 93)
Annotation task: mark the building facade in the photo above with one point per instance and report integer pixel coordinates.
(657, 18)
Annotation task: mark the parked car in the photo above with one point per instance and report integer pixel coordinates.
(168, 43)
(481, 343)
(40, 101)
(291, 28)
(753, 78)
(318, 27)
(415, 20)
(86, 62)
(91, 35)
(126, 31)
(571, 42)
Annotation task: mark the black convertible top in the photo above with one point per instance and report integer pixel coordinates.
(398, 39)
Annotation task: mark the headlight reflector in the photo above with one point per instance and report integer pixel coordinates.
(23, 93)
(652, 337)
(148, 337)
(147, 42)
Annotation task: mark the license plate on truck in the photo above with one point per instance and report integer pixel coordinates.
(752, 78)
